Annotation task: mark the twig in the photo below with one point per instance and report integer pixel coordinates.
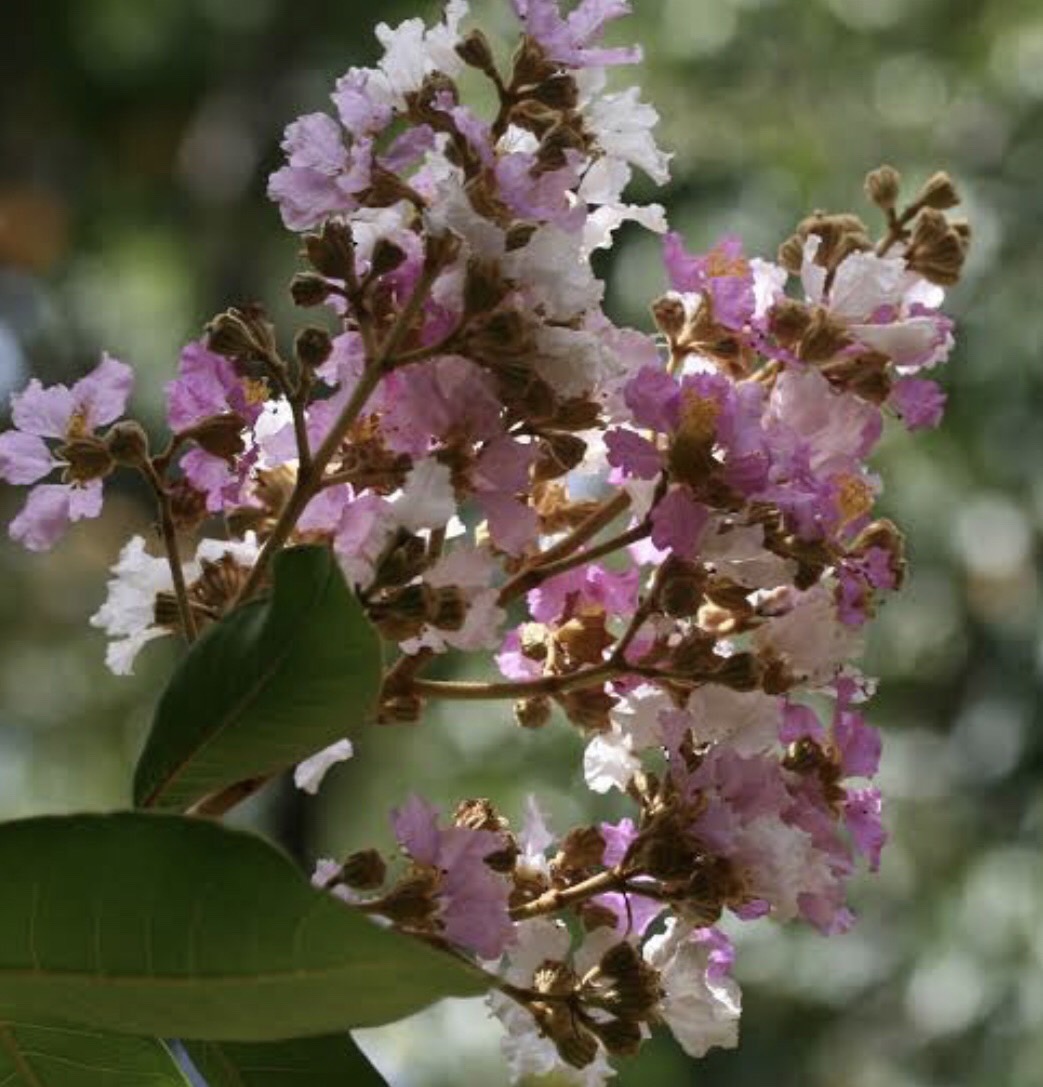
(173, 551)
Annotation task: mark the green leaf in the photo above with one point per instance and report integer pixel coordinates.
(152, 924)
(270, 684)
(304, 1062)
(42, 1055)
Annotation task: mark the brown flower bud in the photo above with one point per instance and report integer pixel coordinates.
(313, 346)
(476, 52)
(740, 672)
(791, 254)
(532, 712)
(219, 435)
(938, 193)
(484, 288)
(680, 589)
(670, 316)
(332, 252)
(242, 334)
(824, 337)
(585, 638)
(364, 870)
(309, 289)
(127, 443)
(882, 186)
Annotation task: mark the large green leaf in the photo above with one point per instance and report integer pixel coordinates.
(154, 924)
(273, 682)
(303, 1062)
(41, 1055)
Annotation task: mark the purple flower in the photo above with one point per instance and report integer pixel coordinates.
(918, 401)
(473, 906)
(723, 274)
(207, 385)
(63, 415)
(633, 455)
(678, 522)
(569, 40)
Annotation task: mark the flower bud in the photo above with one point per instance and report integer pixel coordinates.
(475, 51)
(242, 334)
(364, 870)
(479, 814)
(559, 453)
(309, 289)
(127, 443)
(938, 193)
(882, 185)
(219, 435)
(313, 347)
(332, 253)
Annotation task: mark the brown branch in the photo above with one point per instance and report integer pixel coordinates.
(173, 551)
(550, 685)
(554, 900)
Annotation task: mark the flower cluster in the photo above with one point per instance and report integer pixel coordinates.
(666, 539)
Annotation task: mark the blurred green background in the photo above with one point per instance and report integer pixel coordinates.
(135, 140)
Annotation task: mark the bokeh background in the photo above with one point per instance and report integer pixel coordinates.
(135, 139)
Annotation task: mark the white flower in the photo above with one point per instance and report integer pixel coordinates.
(470, 569)
(427, 499)
(528, 1053)
(622, 125)
(701, 1012)
(748, 721)
(864, 285)
(309, 774)
(609, 761)
(412, 52)
(128, 614)
(738, 552)
(574, 361)
(810, 638)
(554, 272)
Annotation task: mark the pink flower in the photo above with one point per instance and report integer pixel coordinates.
(61, 415)
(569, 40)
(723, 274)
(678, 522)
(473, 897)
(918, 401)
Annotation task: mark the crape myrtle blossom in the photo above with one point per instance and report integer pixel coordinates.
(668, 542)
(55, 427)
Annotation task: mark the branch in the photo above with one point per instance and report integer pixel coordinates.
(554, 900)
(478, 692)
